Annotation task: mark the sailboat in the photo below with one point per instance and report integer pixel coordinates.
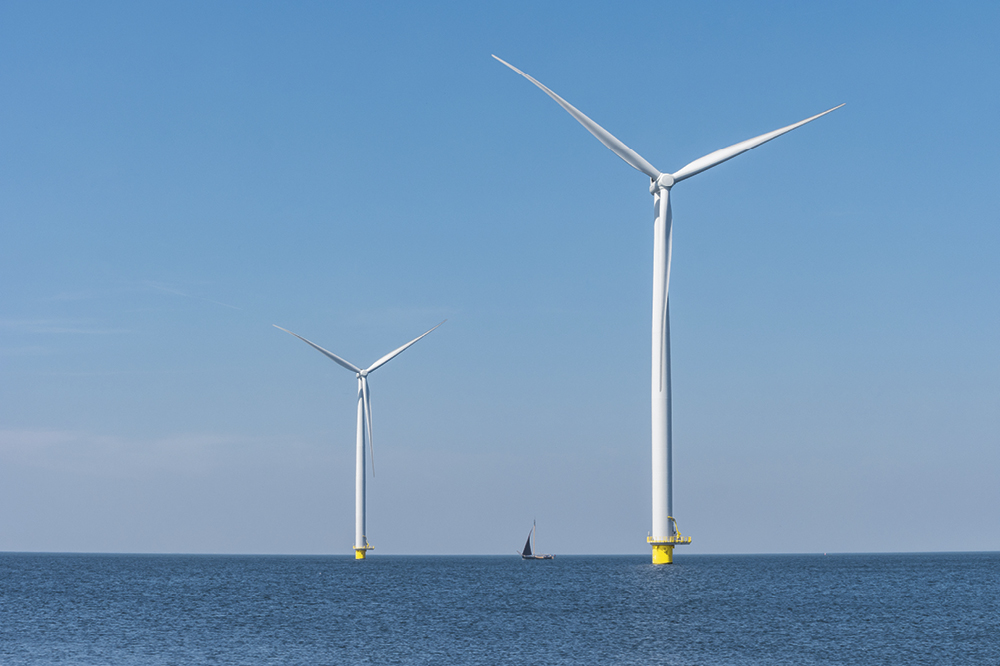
(526, 554)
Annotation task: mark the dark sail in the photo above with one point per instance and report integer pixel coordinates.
(527, 547)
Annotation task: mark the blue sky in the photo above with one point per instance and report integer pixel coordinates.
(176, 177)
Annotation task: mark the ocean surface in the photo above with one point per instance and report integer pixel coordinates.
(750, 609)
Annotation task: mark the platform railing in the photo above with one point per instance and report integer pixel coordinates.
(675, 540)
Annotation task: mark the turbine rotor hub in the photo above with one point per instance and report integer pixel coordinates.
(664, 182)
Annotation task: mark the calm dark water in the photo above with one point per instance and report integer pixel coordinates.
(782, 609)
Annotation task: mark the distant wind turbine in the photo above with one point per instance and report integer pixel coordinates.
(664, 534)
(361, 545)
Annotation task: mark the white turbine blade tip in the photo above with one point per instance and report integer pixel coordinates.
(812, 118)
(719, 156)
(629, 156)
(396, 352)
(329, 354)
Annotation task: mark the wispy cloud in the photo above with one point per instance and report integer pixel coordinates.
(71, 326)
(108, 456)
(177, 292)
(89, 294)
(28, 350)
(139, 287)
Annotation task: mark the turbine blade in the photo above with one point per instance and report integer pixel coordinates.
(393, 354)
(366, 400)
(720, 156)
(631, 157)
(329, 354)
(665, 325)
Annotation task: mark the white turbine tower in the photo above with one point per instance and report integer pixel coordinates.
(664, 534)
(361, 545)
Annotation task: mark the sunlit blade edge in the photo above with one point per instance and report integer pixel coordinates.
(367, 405)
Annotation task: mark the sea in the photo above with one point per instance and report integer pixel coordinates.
(926, 608)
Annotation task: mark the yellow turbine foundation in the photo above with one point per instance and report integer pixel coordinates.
(359, 553)
(663, 554)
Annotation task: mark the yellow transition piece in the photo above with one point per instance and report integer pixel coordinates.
(663, 554)
(663, 548)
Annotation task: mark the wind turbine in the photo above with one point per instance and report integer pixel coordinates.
(664, 535)
(361, 545)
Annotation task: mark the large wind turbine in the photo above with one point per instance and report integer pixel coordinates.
(664, 535)
(361, 545)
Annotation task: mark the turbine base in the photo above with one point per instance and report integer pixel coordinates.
(361, 551)
(663, 547)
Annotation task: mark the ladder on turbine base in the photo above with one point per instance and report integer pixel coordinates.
(663, 547)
